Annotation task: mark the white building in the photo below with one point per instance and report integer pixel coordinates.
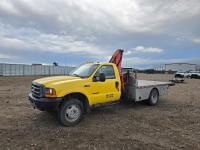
(176, 67)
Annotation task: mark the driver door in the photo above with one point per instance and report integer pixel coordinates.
(106, 91)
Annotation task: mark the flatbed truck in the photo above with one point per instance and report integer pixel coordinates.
(90, 85)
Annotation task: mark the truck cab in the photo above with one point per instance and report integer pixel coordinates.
(73, 95)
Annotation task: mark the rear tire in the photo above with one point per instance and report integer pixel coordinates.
(70, 112)
(153, 97)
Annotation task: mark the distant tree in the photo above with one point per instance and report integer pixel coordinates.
(149, 71)
(55, 63)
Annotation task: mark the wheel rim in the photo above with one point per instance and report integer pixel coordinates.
(154, 96)
(72, 113)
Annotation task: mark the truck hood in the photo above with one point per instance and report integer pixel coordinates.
(55, 79)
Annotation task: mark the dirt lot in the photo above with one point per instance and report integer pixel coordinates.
(173, 124)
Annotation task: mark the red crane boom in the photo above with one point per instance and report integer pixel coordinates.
(117, 60)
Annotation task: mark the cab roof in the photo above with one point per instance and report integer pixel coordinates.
(100, 63)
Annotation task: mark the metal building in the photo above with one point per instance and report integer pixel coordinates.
(198, 68)
(24, 70)
(176, 67)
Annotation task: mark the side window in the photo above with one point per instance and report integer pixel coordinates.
(107, 70)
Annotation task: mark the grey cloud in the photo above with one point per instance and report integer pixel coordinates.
(96, 17)
(196, 40)
(95, 27)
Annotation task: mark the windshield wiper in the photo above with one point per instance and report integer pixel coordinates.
(76, 75)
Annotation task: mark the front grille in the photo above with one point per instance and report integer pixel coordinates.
(36, 90)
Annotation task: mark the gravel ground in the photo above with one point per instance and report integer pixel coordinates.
(173, 124)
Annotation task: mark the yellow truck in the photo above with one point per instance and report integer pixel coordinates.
(89, 85)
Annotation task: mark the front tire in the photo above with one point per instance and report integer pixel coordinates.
(71, 112)
(153, 97)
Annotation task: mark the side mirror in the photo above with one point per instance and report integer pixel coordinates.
(102, 77)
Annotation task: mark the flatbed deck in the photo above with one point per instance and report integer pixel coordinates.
(143, 89)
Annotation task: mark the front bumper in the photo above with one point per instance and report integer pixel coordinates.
(44, 103)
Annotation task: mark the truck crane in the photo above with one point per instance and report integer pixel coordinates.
(90, 85)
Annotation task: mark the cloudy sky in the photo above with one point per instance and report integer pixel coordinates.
(71, 32)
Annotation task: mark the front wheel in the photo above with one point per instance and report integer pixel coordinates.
(71, 112)
(153, 97)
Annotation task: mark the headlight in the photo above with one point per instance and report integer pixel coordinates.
(49, 92)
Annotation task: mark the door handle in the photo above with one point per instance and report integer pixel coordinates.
(95, 93)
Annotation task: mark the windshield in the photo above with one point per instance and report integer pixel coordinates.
(84, 70)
